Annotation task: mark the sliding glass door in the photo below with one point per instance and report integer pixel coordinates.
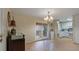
(65, 29)
(41, 31)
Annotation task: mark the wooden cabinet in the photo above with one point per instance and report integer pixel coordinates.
(15, 45)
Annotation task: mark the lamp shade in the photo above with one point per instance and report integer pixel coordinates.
(13, 23)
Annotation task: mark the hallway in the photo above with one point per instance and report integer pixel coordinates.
(57, 45)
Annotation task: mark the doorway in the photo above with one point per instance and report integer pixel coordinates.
(41, 31)
(65, 28)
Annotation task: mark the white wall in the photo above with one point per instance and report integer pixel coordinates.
(3, 21)
(55, 28)
(4, 27)
(26, 24)
(76, 28)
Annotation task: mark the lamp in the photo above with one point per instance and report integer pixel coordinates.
(48, 17)
(13, 22)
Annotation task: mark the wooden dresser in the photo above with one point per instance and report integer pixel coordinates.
(15, 45)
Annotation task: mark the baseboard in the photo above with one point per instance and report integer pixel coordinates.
(76, 42)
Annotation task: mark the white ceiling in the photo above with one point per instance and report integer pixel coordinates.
(42, 12)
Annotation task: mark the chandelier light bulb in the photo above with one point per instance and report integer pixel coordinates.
(48, 18)
(51, 17)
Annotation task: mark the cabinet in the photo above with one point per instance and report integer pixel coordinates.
(15, 45)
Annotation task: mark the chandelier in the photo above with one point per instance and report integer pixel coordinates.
(48, 18)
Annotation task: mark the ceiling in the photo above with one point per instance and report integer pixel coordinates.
(57, 13)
